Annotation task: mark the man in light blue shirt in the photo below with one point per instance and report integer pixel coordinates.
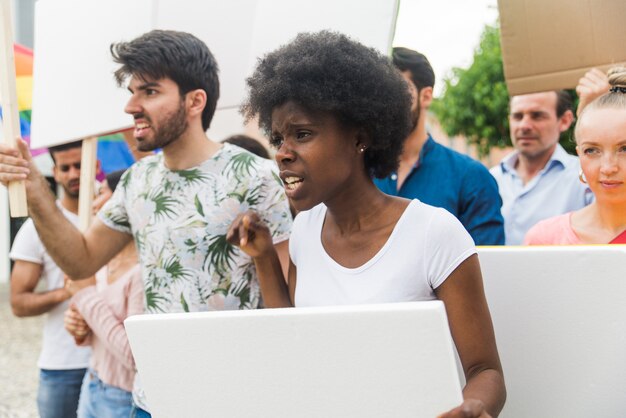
(539, 179)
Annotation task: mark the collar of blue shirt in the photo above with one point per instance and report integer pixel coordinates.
(559, 156)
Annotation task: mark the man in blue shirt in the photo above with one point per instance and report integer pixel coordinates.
(539, 179)
(437, 175)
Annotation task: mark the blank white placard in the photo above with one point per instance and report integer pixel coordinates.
(75, 96)
(393, 360)
(74, 92)
(560, 322)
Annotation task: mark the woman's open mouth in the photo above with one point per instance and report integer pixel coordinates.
(292, 183)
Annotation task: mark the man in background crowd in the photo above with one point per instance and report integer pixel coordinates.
(539, 179)
(437, 175)
(62, 364)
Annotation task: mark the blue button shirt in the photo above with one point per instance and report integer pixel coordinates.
(447, 179)
(553, 191)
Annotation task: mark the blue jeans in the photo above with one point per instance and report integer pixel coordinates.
(58, 392)
(100, 400)
(137, 412)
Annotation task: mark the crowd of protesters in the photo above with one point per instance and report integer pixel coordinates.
(356, 166)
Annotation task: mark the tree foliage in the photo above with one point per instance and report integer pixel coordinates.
(475, 102)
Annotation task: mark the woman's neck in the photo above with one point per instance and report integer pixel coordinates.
(611, 217)
(599, 223)
(358, 209)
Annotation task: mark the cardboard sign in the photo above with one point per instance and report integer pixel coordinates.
(76, 97)
(369, 361)
(559, 315)
(549, 45)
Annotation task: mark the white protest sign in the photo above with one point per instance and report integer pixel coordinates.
(74, 93)
(75, 96)
(559, 316)
(368, 361)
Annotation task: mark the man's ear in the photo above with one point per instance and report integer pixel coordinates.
(566, 120)
(425, 97)
(195, 101)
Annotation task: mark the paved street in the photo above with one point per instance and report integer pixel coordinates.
(20, 342)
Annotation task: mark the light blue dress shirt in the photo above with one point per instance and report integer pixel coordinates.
(553, 191)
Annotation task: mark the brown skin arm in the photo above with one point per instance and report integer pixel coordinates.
(62, 240)
(24, 300)
(65, 243)
(472, 331)
(249, 233)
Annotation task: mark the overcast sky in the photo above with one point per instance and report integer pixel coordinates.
(446, 31)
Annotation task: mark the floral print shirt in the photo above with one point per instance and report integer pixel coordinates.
(179, 221)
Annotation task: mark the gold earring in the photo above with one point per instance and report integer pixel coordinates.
(581, 177)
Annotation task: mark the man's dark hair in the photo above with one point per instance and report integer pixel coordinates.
(329, 72)
(564, 102)
(250, 144)
(64, 147)
(417, 64)
(113, 178)
(179, 56)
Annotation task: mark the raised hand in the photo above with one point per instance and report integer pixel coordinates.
(75, 324)
(470, 408)
(15, 163)
(250, 233)
(591, 86)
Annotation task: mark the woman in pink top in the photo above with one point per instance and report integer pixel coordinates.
(601, 146)
(96, 317)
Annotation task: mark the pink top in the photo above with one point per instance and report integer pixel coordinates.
(553, 231)
(104, 311)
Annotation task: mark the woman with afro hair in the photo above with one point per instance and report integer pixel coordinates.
(337, 113)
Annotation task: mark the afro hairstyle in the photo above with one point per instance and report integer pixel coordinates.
(328, 72)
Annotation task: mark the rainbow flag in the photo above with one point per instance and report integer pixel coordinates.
(24, 85)
(113, 151)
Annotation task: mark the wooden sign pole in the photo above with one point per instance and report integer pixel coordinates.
(87, 180)
(8, 97)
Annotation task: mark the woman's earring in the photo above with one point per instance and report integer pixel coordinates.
(362, 148)
(581, 177)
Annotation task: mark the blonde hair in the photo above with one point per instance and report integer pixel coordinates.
(614, 99)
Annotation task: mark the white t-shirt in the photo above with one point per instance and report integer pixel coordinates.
(425, 246)
(58, 352)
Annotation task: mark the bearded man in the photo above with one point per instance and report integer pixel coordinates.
(177, 204)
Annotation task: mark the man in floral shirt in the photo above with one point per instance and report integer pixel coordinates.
(180, 218)
(178, 204)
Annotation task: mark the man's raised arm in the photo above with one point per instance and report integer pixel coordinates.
(79, 255)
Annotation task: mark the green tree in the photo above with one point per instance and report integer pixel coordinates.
(475, 100)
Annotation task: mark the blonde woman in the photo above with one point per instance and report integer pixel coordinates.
(601, 145)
